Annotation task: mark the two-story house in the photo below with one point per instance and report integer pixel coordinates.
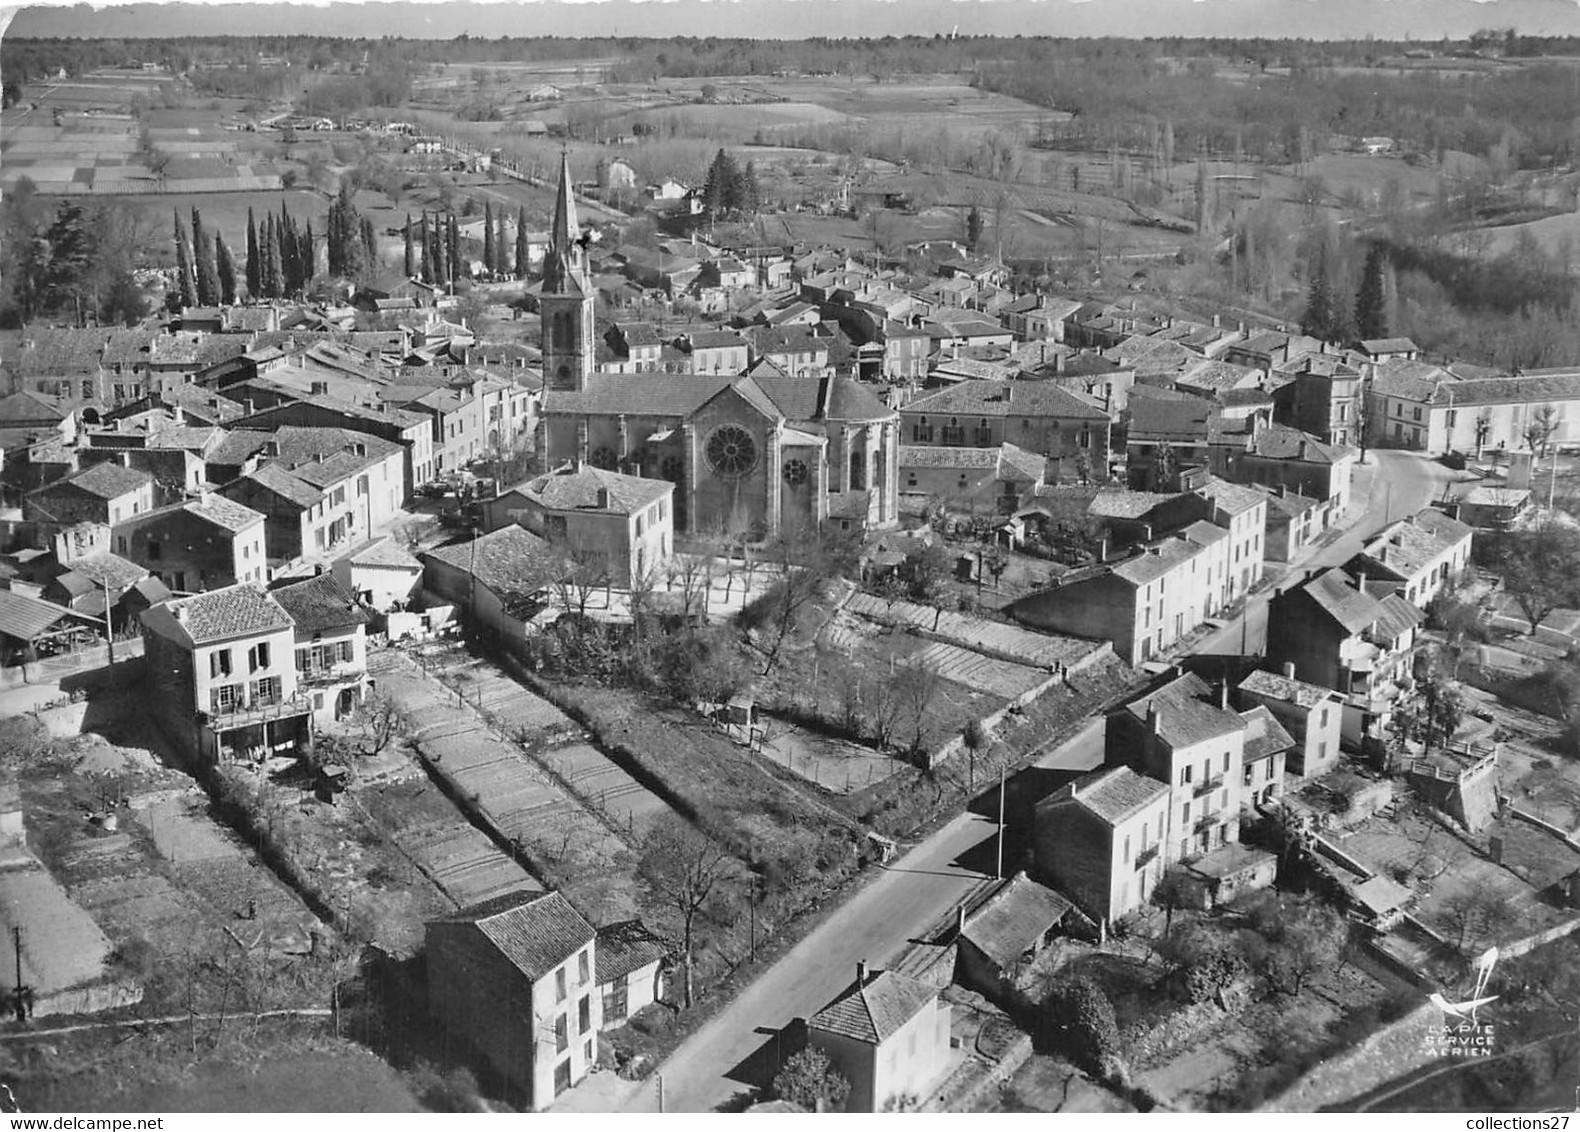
(794, 349)
(1185, 735)
(1350, 635)
(887, 1034)
(321, 490)
(1323, 398)
(1038, 416)
(331, 645)
(105, 493)
(1421, 555)
(1100, 840)
(1311, 714)
(604, 521)
(221, 667)
(514, 978)
(716, 351)
(1278, 457)
(201, 544)
(1144, 604)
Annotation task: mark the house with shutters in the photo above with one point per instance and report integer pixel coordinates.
(888, 1034)
(107, 493)
(1099, 839)
(203, 543)
(515, 979)
(1037, 416)
(221, 668)
(331, 651)
(321, 490)
(620, 527)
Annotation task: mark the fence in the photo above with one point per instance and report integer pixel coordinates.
(53, 668)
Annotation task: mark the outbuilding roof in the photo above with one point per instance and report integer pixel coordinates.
(319, 604)
(874, 1010)
(535, 932)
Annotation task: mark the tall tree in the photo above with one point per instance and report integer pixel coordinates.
(523, 250)
(225, 264)
(501, 264)
(1371, 301)
(426, 239)
(309, 262)
(488, 236)
(207, 275)
(693, 881)
(411, 252)
(254, 263)
(273, 273)
(750, 194)
(973, 227)
(184, 278)
(1318, 319)
(722, 189)
(452, 250)
(370, 248)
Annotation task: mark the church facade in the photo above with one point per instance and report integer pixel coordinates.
(760, 451)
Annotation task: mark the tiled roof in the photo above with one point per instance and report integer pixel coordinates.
(1234, 498)
(1397, 616)
(319, 603)
(1154, 419)
(1408, 380)
(1290, 505)
(1376, 346)
(579, 491)
(1264, 735)
(1528, 388)
(680, 395)
(1410, 544)
(23, 617)
(1014, 919)
(234, 517)
(385, 552)
(1336, 594)
(1187, 712)
(1008, 399)
(231, 612)
(1280, 442)
(107, 569)
(535, 932)
(1121, 504)
(29, 408)
(1113, 794)
(108, 480)
(1276, 686)
(510, 561)
(1216, 377)
(626, 947)
(284, 483)
(237, 445)
(874, 1012)
(1164, 555)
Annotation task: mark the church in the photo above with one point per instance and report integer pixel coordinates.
(759, 451)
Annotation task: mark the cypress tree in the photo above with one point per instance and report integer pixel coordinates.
(254, 279)
(411, 252)
(225, 264)
(203, 255)
(290, 276)
(272, 281)
(452, 251)
(1318, 319)
(308, 256)
(523, 254)
(370, 247)
(488, 236)
(1371, 302)
(184, 280)
(426, 239)
(501, 248)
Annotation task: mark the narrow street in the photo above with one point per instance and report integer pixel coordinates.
(1402, 483)
(874, 925)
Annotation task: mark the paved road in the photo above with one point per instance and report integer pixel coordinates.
(874, 925)
(1402, 483)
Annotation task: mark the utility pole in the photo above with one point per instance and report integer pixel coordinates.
(660, 1078)
(109, 629)
(999, 873)
(22, 994)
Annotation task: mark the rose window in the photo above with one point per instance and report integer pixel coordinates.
(731, 451)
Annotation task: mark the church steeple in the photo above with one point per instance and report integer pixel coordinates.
(566, 301)
(564, 269)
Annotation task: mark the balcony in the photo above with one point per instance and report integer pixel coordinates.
(1207, 786)
(318, 676)
(1204, 823)
(1146, 857)
(259, 711)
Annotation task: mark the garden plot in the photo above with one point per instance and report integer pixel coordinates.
(837, 765)
(982, 673)
(464, 863)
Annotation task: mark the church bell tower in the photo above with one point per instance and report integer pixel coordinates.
(566, 304)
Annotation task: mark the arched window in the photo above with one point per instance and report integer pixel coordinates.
(858, 470)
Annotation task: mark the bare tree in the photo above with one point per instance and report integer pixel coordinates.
(915, 689)
(689, 875)
(586, 572)
(383, 721)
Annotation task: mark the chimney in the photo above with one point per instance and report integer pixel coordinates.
(181, 614)
(1289, 670)
(960, 920)
(1223, 694)
(603, 499)
(861, 967)
(1154, 718)
(1495, 849)
(247, 405)
(1242, 330)
(1217, 320)
(1102, 550)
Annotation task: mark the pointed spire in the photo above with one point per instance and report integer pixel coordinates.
(566, 228)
